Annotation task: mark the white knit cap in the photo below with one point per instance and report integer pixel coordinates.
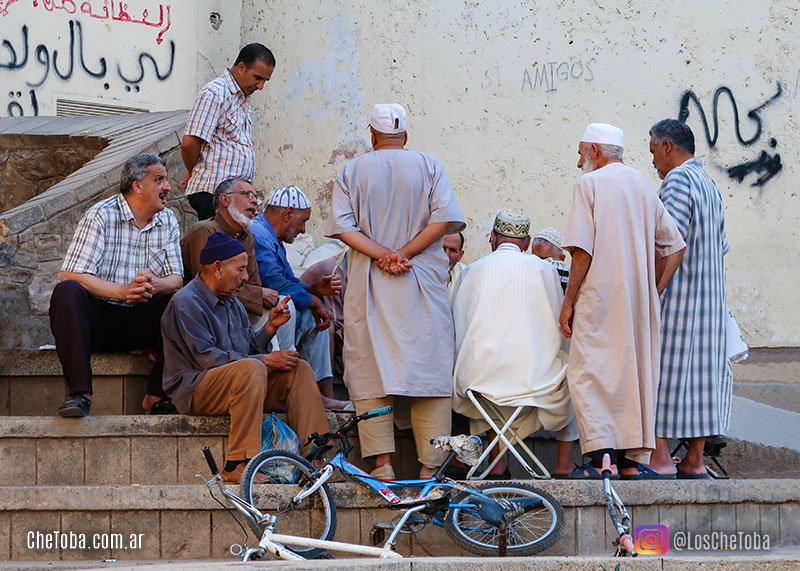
(389, 118)
(287, 196)
(603, 134)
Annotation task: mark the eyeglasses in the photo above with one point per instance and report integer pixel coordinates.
(248, 194)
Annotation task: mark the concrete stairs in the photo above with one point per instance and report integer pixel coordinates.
(120, 472)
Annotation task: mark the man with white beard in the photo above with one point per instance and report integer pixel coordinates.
(235, 202)
(625, 247)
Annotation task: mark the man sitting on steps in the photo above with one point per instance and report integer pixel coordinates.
(214, 363)
(120, 269)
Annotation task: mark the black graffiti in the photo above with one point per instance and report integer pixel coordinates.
(753, 114)
(64, 70)
(15, 109)
(766, 165)
(143, 56)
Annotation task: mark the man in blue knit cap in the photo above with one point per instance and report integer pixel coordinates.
(214, 363)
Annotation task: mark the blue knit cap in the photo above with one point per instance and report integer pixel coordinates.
(220, 246)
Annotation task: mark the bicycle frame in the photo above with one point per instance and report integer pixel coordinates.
(273, 543)
(624, 542)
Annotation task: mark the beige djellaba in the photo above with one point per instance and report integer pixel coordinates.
(614, 358)
(398, 330)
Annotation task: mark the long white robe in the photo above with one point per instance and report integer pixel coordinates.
(614, 358)
(508, 344)
(398, 331)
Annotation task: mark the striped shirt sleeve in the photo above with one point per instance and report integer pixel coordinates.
(676, 197)
(205, 115)
(174, 260)
(86, 251)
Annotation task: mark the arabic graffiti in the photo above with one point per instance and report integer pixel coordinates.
(64, 64)
(765, 164)
(111, 10)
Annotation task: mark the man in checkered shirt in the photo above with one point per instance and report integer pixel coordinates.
(120, 270)
(217, 141)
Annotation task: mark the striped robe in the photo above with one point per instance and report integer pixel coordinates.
(694, 393)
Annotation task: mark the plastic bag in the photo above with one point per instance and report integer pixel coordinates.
(277, 435)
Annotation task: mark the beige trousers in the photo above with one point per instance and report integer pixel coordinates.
(430, 417)
(246, 389)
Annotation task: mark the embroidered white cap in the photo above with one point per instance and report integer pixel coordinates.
(389, 118)
(551, 235)
(287, 196)
(603, 134)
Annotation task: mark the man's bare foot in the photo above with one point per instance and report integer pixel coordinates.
(334, 404)
(148, 401)
(687, 468)
(662, 468)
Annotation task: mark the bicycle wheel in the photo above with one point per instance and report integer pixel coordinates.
(530, 533)
(287, 474)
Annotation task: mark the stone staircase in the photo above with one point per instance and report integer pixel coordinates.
(121, 472)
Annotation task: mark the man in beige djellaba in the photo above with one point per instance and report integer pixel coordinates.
(625, 247)
(392, 207)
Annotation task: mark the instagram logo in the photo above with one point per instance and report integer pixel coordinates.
(652, 539)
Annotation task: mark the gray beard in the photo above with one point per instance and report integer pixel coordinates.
(588, 165)
(239, 217)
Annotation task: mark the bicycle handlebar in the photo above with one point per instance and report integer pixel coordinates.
(210, 460)
(606, 464)
(377, 412)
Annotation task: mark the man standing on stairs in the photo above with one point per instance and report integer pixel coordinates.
(122, 266)
(215, 364)
(694, 393)
(217, 142)
(392, 207)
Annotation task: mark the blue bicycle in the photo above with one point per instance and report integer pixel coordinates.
(490, 518)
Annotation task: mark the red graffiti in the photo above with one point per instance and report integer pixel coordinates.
(347, 154)
(111, 10)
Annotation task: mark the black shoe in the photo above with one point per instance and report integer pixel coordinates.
(75, 407)
(164, 406)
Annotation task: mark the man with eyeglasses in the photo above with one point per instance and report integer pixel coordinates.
(235, 203)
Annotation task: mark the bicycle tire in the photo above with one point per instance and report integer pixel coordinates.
(288, 473)
(530, 533)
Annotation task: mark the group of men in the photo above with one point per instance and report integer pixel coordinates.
(211, 304)
(644, 304)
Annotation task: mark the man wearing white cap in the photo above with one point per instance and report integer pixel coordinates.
(392, 207)
(617, 231)
(547, 245)
(285, 216)
(512, 360)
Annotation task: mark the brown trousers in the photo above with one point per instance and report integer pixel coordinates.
(245, 389)
(430, 417)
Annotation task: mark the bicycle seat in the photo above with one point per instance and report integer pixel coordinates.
(500, 513)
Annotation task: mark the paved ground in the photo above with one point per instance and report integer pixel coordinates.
(778, 559)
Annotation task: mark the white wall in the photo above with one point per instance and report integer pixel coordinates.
(501, 91)
(109, 52)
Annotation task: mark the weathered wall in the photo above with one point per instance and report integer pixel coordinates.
(30, 164)
(501, 91)
(141, 54)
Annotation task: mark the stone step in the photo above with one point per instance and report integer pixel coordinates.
(31, 383)
(101, 450)
(183, 522)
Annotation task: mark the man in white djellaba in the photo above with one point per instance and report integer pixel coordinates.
(617, 230)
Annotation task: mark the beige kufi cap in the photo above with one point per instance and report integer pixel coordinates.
(512, 223)
(551, 235)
